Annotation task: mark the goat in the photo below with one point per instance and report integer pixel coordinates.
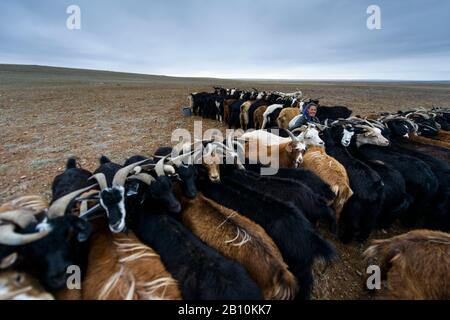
(415, 265)
(333, 113)
(240, 239)
(396, 199)
(439, 216)
(299, 244)
(421, 182)
(285, 117)
(49, 246)
(320, 188)
(332, 172)
(400, 130)
(111, 178)
(258, 117)
(313, 206)
(284, 155)
(309, 134)
(264, 100)
(362, 210)
(122, 268)
(73, 178)
(186, 173)
(16, 285)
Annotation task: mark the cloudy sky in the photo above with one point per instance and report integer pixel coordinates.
(284, 39)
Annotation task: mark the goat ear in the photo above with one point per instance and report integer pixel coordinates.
(290, 147)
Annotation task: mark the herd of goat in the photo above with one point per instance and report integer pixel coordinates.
(185, 224)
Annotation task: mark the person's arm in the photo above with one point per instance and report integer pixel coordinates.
(300, 122)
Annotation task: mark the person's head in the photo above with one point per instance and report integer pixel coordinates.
(310, 110)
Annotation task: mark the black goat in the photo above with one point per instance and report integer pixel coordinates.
(111, 178)
(307, 177)
(235, 111)
(187, 173)
(72, 179)
(361, 211)
(48, 258)
(396, 199)
(297, 240)
(333, 113)
(157, 187)
(421, 183)
(313, 206)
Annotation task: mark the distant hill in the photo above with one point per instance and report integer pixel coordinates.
(54, 76)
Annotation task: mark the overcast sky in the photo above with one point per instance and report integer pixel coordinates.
(284, 39)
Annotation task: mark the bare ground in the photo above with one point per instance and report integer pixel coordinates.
(48, 115)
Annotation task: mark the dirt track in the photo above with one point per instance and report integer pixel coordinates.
(48, 115)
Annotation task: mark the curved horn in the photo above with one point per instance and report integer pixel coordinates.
(121, 176)
(22, 218)
(168, 169)
(144, 177)
(10, 238)
(101, 180)
(292, 136)
(59, 207)
(178, 161)
(159, 168)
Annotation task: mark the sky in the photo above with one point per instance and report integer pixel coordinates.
(263, 39)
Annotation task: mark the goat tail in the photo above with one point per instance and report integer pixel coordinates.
(381, 250)
(71, 163)
(285, 286)
(343, 193)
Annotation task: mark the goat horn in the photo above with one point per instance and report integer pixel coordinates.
(160, 167)
(121, 176)
(144, 177)
(21, 217)
(10, 238)
(101, 180)
(292, 136)
(178, 161)
(59, 207)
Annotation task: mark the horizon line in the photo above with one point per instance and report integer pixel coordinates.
(223, 78)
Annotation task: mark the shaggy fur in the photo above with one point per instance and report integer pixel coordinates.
(330, 171)
(415, 265)
(242, 240)
(286, 115)
(122, 268)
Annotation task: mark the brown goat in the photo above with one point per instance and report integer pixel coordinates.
(258, 117)
(16, 285)
(289, 154)
(226, 109)
(430, 141)
(443, 136)
(332, 172)
(286, 115)
(244, 113)
(21, 286)
(122, 268)
(242, 240)
(416, 265)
